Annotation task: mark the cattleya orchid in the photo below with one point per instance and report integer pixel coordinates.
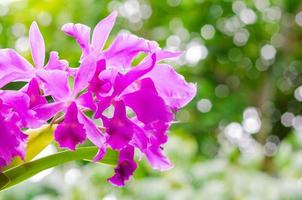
(144, 97)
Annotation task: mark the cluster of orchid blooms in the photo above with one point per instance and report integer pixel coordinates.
(144, 97)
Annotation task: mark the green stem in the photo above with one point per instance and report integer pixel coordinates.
(22, 172)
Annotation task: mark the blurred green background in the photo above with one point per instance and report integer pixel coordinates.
(239, 139)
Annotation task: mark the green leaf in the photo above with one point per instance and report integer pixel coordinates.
(22, 172)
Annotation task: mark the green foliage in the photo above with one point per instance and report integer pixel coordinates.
(239, 71)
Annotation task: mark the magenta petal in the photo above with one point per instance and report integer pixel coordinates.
(125, 168)
(103, 85)
(157, 159)
(37, 45)
(119, 128)
(70, 132)
(100, 154)
(102, 104)
(86, 100)
(140, 139)
(102, 82)
(55, 83)
(102, 30)
(171, 86)
(156, 108)
(10, 59)
(33, 91)
(157, 132)
(92, 131)
(81, 33)
(95, 83)
(94, 135)
(84, 74)
(13, 67)
(12, 142)
(20, 103)
(55, 63)
(123, 81)
(164, 54)
(125, 48)
(47, 111)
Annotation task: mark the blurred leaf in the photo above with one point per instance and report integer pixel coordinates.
(20, 173)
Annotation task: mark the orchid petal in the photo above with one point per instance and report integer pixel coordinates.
(70, 132)
(125, 48)
(12, 141)
(20, 103)
(34, 94)
(123, 81)
(37, 45)
(139, 140)
(47, 111)
(119, 128)
(81, 33)
(13, 67)
(164, 54)
(126, 167)
(102, 104)
(102, 84)
(100, 154)
(171, 86)
(92, 131)
(86, 100)
(157, 159)
(102, 30)
(84, 74)
(147, 95)
(55, 83)
(55, 63)
(102, 81)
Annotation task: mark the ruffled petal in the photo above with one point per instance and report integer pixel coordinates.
(37, 45)
(70, 132)
(101, 32)
(13, 67)
(125, 48)
(125, 168)
(81, 33)
(20, 103)
(156, 109)
(156, 132)
(12, 142)
(171, 86)
(55, 63)
(119, 128)
(55, 83)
